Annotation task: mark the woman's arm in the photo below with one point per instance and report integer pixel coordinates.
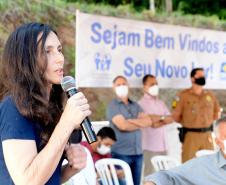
(27, 166)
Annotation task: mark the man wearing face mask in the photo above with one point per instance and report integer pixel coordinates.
(196, 109)
(205, 170)
(126, 118)
(102, 148)
(153, 138)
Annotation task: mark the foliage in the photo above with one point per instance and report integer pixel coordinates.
(137, 4)
(203, 7)
(61, 15)
(100, 111)
(70, 53)
(17, 12)
(177, 17)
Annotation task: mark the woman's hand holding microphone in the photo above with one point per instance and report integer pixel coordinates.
(75, 111)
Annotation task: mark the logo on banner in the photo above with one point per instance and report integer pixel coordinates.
(223, 71)
(102, 61)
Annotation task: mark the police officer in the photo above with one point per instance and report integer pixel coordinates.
(196, 109)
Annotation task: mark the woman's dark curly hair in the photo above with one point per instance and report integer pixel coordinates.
(22, 77)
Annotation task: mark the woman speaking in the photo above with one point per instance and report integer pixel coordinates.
(34, 124)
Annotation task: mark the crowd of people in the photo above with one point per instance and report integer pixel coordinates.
(195, 109)
(36, 121)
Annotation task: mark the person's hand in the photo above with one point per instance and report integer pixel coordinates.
(168, 119)
(149, 183)
(76, 156)
(76, 109)
(120, 174)
(157, 124)
(155, 118)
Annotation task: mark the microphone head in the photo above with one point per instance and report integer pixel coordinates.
(68, 83)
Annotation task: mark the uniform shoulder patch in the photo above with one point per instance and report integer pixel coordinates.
(175, 101)
(208, 98)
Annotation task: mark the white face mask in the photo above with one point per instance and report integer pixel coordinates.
(122, 91)
(103, 149)
(153, 90)
(224, 142)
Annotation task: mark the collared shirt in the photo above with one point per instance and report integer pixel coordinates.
(197, 111)
(153, 139)
(206, 170)
(128, 142)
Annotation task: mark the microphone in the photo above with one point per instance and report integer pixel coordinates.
(68, 85)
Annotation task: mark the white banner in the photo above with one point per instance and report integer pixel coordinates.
(107, 47)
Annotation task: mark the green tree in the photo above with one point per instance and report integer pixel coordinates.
(205, 7)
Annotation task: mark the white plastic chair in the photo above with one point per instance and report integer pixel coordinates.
(164, 162)
(107, 171)
(200, 153)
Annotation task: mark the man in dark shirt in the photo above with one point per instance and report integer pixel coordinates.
(126, 118)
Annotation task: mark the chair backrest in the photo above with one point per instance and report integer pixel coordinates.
(164, 162)
(107, 171)
(200, 153)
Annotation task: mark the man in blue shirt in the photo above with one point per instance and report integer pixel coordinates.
(206, 170)
(126, 118)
